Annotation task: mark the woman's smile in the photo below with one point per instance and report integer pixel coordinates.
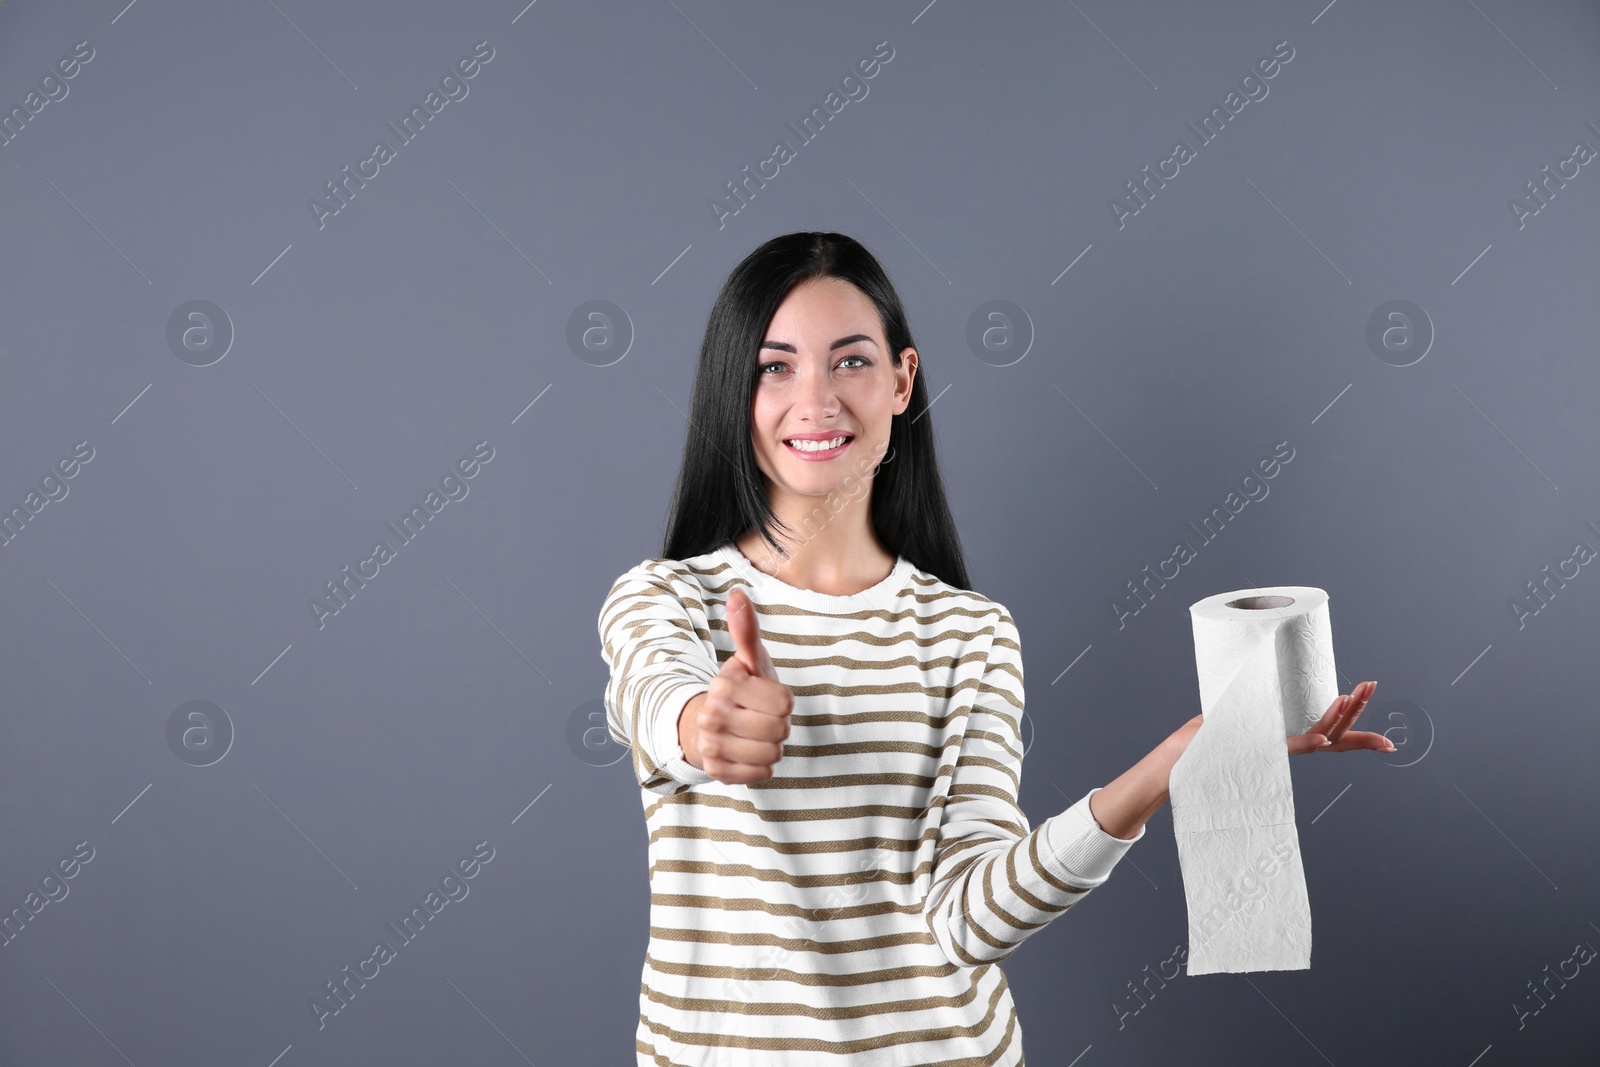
(815, 447)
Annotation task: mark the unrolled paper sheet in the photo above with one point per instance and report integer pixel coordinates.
(1265, 661)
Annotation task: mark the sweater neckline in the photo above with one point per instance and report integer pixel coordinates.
(874, 598)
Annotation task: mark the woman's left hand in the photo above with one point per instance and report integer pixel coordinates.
(1334, 726)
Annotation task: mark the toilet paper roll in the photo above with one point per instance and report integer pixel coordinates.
(1265, 661)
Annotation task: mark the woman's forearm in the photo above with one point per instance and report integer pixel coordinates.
(1122, 805)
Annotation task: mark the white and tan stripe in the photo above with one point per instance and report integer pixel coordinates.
(857, 903)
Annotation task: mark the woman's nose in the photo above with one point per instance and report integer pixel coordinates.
(818, 395)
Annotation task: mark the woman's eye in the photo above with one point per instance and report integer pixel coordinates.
(862, 361)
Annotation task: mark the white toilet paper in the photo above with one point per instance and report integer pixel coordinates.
(1265, 661)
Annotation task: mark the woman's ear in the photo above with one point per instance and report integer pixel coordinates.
(905, 376)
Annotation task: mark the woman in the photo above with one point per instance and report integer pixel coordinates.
(824, 719)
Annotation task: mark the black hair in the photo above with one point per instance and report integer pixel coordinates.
(721, 491)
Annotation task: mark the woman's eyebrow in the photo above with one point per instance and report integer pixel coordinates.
(840, 343)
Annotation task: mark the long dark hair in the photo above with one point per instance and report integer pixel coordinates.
(721, 491)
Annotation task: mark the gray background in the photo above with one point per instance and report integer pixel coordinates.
(455, 698)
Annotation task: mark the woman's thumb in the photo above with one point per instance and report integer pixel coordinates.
(746, 631)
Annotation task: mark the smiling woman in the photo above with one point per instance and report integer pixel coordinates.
(809, 337)
(824, 718)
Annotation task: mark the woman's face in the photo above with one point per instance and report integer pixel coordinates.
(824, 372)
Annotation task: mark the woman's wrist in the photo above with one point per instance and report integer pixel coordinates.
(1125, 803)
(689, 730)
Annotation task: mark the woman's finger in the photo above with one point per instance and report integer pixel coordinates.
(730, 748)
(1354, 705)
(736, 773)
(764, 695)
(1331, 717)
(1354, 739)
(1347, 713)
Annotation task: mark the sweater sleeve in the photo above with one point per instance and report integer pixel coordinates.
(995, 881)
(658, 663)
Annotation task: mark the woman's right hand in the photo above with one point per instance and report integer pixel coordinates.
(735, 731)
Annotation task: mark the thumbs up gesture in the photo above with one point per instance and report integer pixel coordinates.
(735, 731)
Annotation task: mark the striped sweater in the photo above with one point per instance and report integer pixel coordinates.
(855, 907)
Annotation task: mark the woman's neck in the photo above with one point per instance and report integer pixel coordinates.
(831, 566)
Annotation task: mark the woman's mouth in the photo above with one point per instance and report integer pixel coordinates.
(819, 450)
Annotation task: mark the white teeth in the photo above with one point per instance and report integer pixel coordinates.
(816, 446)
